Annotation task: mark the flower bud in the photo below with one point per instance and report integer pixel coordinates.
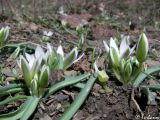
(142, 48)
(102, 77)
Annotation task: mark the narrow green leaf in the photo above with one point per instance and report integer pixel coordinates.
(14, 55)
(11, 91)
(13, 115)
(11, 86)
(70, 57)
(67, 82)
(53, 61)
(142, 76)
(44, 76)
(79, 100)
(6, 31)
(16, 115)
(128, 69)
(34, 87)
(26, 71)
(60, 62)
(152, 87)
(13, 99)
(30, 108)
(2, 36)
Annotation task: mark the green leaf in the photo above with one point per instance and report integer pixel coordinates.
(26, 71)
(81, 42)
(142, 76)
(34, 87)
(67, 82)
(2, 35)
(6, 31)
(11, 91)
(53, 61)
(60, 62)
(15, 54)
(44, 76)
(142, 48)
(16, 115)
(30, 108)
(11, 86)
(79, 99)
(122, 65)
(70, 57)
(128, 69)
(13, 115)
(128, 72)
(152, 87)
(12, 99)
(35, 68)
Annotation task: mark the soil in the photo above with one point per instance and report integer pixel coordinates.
(99, 105)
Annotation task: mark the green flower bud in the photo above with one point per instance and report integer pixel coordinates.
(142, 48)
(44, 76)
(102, 77)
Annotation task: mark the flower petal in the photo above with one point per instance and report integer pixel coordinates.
(39, 52)
(30, 59)
(114, 57)
(132, 50)
(124, 47)
(114, 45)
(96, 67)
(106, 46)
(49, 47)
(60, 51)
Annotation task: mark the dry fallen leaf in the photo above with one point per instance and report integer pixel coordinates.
(75, 20)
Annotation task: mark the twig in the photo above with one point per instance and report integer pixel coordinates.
(135, 102)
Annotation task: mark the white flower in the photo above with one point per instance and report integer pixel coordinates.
(48, 34)
(124, 49)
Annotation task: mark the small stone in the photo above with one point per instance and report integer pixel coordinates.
(61, 97)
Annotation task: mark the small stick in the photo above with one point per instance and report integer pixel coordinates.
(135, 102)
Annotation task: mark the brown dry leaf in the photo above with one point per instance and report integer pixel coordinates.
(30, 27)
(152, 63)
(101, 32)
(78, 116)
(75, 20)
(84, 65)
(46, 117)
(70, 73)
(56, 75)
